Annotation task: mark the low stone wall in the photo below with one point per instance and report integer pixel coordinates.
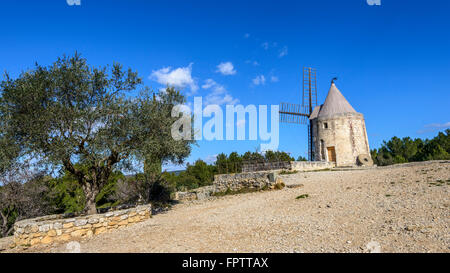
(303, 166)
(239, 181)
(54, 228)
(232, 182)
(287, 165)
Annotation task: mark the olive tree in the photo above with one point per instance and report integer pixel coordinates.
(89, 120)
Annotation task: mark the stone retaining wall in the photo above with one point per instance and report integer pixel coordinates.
(54, 228)
(232, 182)
(287, 165)
(239, 181)
(303, 166)
(251, 180)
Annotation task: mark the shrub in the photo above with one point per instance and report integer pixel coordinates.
(303, 196)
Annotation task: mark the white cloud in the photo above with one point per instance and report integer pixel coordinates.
(274, 79)
(254, 63)
(267, 45)
(226, 68)
(209, 83)
(179, 77)
(259, 80)
(219, 94)
(434, 127)
(438, 125)
(283, 52)
(211, 159)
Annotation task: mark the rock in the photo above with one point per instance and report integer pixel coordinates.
(44, 228)
(294, 186)
(365, 160)
(100, 230)
(93, 220)
(64, 237)
(67, 225)
(80, 222)
(47, 240)
(90, 233)
(79, 233)
(35, 241)
(410, 228)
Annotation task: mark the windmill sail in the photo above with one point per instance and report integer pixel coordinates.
(300, 114)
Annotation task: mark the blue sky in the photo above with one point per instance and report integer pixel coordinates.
(392, 61)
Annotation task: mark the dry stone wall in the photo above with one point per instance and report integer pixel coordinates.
(304, 166)
(249, 180)
(49, 229)
(232, 182)
(237, 182)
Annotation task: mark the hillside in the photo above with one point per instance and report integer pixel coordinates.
(403, 208)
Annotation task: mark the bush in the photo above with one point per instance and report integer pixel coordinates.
(23, 195)
(144, 189)
(405, 150)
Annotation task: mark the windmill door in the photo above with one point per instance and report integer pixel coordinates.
(331, 154)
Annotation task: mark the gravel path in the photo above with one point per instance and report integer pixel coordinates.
(404, 208)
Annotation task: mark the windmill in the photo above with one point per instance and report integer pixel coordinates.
(299, 114)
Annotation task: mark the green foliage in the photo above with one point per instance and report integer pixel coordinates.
(301, 158)
(303, 196)
(271, 156)
(198, 175)
(67, 194)
(9, 152)
(280, 186)
(253, 156)
(106, 197)
(284, 172)
(405, 150)
(146, 188)
(201, 174)
(68, 197)
(71, 114)
(222, 163)
(233, 163)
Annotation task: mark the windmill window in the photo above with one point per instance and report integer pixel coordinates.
(325, 125)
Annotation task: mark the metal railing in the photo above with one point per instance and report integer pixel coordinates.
(252, 166)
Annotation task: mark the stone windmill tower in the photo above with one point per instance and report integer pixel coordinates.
(339, 132)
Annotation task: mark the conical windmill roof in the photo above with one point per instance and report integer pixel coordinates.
(335, 103)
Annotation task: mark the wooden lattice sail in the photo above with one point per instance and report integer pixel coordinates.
(300, 114)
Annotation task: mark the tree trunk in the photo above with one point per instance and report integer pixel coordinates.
(4, 226)
(91, 192)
